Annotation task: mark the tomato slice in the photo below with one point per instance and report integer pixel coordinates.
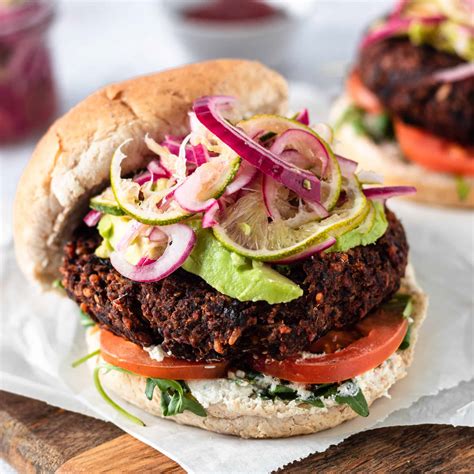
(433, 152)
(361, 95)
(125, 354)
(381, 335)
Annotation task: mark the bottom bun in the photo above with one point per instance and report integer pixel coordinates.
(386, 159)
(230, 410)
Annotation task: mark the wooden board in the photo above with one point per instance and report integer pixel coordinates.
(35, 437)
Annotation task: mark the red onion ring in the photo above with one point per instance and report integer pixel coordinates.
(385, 192)
(181, 240)
(454, 74)
(303, 117)
(304, 184)
(347, 166)
(92, 218)
(208, 219)
(395, 26)
(244, 177)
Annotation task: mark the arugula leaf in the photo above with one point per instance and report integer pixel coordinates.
(357, 402)
(107, 399)
(175, 397)
(80, 361)
(401, 303)
(86, 320)
(316, 402)
(462, 188)
(405, 344)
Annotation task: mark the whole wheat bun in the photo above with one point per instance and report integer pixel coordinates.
(71, 162)
(231, 413)
(432, 187)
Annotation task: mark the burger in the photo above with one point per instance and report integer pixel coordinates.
(231, 271)
(408, 108)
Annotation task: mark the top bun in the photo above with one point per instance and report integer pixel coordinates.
(71, 162)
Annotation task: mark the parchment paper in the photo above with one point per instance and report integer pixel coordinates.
(41, 335)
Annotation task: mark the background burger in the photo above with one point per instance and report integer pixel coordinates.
(408, 109)
(231, 271)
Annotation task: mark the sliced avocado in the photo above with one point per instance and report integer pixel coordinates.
(238, 277)
(360, 235)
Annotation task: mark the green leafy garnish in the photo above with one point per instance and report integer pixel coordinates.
(267, 136)
(378, 127)
(175, 397)
(86, 320)
(462, 188)
(80, 361)
(107, 399)
(405, 344)
(58, 284)
(401, 303)
(357, 402)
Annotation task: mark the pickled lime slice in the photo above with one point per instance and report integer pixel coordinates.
(149, 203)
(106, 203)
(244, 226)
(265, 124)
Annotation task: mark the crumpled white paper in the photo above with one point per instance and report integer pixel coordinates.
(40, 336)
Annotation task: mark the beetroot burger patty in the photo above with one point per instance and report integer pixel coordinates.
(194, 321)
(399, 73)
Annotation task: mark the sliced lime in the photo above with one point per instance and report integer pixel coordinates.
(331, 182)
(146, 203)
(106, 203)
(246, 229)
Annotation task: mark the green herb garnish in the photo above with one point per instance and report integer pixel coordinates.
(175, 397)
(405, 344)
(357, 402)
(267, 136)
(107, 399)
(462, 188)
(80, 361)
(86, 320)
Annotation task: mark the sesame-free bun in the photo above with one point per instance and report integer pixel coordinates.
(71, 162)
(432, 187)
(231, 411)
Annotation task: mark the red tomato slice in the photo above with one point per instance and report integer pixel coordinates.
(382, 334)
(125, 354)
(433, 152)
(361, 95)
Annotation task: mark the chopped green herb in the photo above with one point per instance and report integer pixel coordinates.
(58, 284)
(107, 399)
(175, 397)
(267, 136)
(86, 320)
(306, 184)
(80, 361)
(462, 187)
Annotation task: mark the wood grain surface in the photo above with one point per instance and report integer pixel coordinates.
(35, 437)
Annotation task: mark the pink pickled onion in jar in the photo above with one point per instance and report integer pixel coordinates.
(27, 88)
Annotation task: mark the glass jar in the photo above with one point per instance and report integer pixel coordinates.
(27, 88)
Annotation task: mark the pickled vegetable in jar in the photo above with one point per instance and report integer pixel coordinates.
(27, 88)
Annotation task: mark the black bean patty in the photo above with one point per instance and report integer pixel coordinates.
(196, 322)
(399, 74)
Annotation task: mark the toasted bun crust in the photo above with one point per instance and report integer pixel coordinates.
(432, 187)
(71, 162)
(232, 413)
